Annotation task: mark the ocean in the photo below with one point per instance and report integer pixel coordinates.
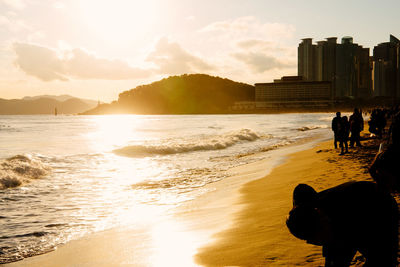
(65, 177)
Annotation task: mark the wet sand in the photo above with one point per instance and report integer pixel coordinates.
(238, 223)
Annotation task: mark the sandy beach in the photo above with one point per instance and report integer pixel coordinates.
(236, 224)
(259, 236)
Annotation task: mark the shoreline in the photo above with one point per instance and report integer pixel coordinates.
(239, 222)
(194, 222)
(259, 236)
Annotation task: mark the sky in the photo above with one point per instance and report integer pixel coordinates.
(97, 49)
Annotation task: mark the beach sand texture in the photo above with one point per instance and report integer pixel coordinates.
(259, 236)
(256, 234)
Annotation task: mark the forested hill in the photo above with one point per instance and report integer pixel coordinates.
(185, 94)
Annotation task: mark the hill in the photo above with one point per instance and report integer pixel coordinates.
(61, 98)
(185, 94)
(43, 105)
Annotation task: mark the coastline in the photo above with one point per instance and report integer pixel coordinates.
(198, 230)
(259, 236)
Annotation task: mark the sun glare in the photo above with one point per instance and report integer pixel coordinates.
(119, 20)
(113, 131)
(183, 249)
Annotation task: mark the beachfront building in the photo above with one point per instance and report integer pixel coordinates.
(293, 92)
(243, 106)
(386, 70)
(346, 65)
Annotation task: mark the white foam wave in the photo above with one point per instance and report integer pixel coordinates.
(187, 180)
(311, 127)
(20, 169)
(216, 143)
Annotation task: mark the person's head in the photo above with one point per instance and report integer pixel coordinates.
(309, 224)
(344, 118)
(356, 111)
(338, 114)
(384, 168)
(302, 221)
(304, 194)
(305, 220)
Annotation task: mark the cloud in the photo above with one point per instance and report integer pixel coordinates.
(13, 25)
(15, 4)
(263, 56)
(48, 64)
(4, 21)
(260, 62)
(250, 27)
(263, 47)
(260, 44)
(39, 61)
(171, 58)
(58, 5)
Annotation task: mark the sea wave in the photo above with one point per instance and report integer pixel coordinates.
(311, 127)
(19, 170)
(215, 143)
(186, 180)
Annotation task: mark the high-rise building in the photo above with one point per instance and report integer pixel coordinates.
(386, 68)
(307, 60)
(326, 59)
(346, 65)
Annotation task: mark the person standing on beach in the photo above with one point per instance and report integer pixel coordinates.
(335, 128)
(343, 135)
(351, 217)
(356, 126)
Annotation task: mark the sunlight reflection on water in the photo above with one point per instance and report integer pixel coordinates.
(91, 188)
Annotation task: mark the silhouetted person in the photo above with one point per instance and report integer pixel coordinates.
(385, 168)
(343, 134)
(354, 216)
(373, 122)
(394, 130)
(381, 122)
(335, 128)
(356, 126)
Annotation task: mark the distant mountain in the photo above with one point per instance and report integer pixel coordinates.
(185, 94)
(43, 105)
(60, 98)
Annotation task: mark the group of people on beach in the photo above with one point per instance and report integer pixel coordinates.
(342, 127)
(354, 216)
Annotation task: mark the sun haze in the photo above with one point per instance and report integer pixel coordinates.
(98, 49)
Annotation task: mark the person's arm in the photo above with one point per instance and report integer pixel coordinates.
(338, 255)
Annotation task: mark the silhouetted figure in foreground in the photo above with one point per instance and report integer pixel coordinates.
(335, 128)
(354, 216)
(343, 134)
(385, 168)
(356, 126)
